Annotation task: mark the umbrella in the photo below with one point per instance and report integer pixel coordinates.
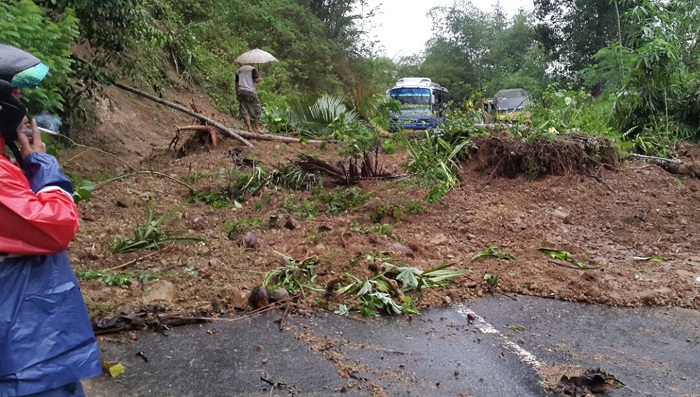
(256, 56)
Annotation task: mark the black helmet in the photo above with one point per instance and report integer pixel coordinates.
(18, 69)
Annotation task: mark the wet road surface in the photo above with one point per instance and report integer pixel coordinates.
(490, 347)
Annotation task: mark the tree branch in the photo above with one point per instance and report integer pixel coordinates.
(230, 131)
(99, 185)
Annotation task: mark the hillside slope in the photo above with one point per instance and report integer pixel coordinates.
(635, 229)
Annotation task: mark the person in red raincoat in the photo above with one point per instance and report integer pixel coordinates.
(47, 344)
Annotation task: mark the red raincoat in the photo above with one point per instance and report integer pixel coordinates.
(46, 339)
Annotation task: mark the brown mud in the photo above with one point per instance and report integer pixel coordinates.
(633, 225)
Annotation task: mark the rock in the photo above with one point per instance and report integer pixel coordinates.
(161, 290)
(561, 214)
(250, 240)
(393, 245)
(440, 239)
(199, 223)
(91, 253)
(447, 300)
(217, 306)
(403, 249)
(291, 223)
(279, 294)
(259, 297)
(124, 202)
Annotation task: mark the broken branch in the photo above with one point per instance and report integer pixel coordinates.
(99, 185)
(223, 128)
(131, 262)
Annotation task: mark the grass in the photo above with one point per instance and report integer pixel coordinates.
(240, 226)
(300, 208)
(117, 279)
(345, 200)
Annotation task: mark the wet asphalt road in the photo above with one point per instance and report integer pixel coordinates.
(493, 347)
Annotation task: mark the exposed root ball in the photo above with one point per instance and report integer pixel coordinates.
(511, 157)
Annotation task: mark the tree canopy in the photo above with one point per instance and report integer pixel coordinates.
(477, 51)
(640, 56)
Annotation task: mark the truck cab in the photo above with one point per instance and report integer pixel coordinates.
(510, 104)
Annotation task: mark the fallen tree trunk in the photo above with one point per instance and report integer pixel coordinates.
(277, 138)
(241, 135)
(654, 159)
(230, 131)
(674, 166)
(501, 126)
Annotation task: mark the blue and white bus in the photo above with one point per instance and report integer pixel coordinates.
(423, 103)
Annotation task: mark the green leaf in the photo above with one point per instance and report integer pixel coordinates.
(408, 306)
(408, 277)
(557, 254)
(366, 288)
(491, 279)
(493, 251)
(342, 310)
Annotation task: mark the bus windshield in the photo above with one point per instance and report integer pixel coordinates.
(411, 96)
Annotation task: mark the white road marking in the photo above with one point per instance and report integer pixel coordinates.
(483, 326)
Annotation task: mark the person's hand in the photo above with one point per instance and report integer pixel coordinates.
(29, 139)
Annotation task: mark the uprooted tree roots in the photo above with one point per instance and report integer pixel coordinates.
(512, 157)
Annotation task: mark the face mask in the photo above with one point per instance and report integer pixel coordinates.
(12, 111)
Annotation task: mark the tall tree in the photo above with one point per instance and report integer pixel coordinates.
(655, 76)
(474, 50)
(572, 31)
(343, 20)
(111, 27)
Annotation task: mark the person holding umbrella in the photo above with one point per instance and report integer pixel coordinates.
(247, 77)
(248, 103)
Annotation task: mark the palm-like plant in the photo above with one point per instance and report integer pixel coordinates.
(150, 235)
(322, 118)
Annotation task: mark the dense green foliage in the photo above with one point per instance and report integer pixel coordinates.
(472, 50)
(24, 24)
(655, 79)
(623, 68)
(572, 31)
